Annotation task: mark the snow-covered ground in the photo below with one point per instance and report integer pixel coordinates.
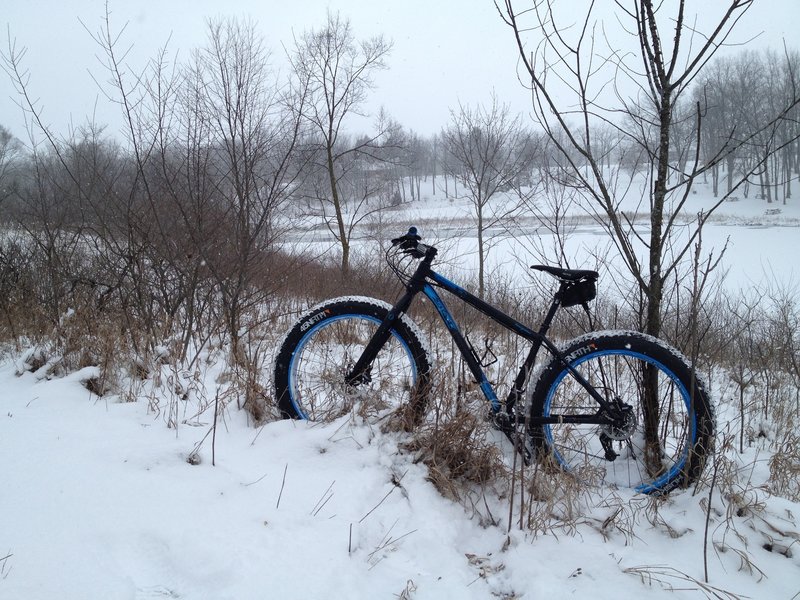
(101, 500)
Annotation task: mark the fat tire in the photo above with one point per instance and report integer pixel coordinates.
(343, 312)
(623, 349)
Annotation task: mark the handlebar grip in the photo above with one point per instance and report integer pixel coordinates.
(410, 244)
(409, 240)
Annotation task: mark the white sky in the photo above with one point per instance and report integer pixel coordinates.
(445, 51)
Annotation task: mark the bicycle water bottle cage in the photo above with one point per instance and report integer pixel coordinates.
(488, 357)
(577, 285)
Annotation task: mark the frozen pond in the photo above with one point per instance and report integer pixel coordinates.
(761, 247)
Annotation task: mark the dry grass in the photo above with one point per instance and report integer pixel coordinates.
(784, 467)
(671, 579)
(457, 448)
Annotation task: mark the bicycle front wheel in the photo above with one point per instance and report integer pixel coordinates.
(658, 431)
(321, 349)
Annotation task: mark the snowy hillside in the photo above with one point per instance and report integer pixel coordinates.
(99, 501)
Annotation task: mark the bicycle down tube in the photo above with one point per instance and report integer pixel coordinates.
(536, 338)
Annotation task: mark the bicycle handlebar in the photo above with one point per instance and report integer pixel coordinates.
(409, 241)
(410, 244)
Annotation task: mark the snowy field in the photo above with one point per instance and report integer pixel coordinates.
(762, 238)
(100, 499)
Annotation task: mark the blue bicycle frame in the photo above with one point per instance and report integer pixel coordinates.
(425, 280)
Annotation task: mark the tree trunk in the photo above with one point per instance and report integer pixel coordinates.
(655, 287)
(715, 179)
(787, 193)
(481, 258)
(730, 164)
(337, 205)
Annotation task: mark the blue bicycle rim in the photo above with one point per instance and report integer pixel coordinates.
(652, 486)
(325, 322)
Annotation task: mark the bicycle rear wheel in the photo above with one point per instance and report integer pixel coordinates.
(666, 429)
(321, 349)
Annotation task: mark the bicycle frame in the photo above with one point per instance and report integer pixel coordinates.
(537, 339)
(424, 280)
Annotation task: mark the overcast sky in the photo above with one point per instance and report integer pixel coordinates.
(445, 51)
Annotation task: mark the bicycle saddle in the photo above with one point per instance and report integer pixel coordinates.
(568, 274)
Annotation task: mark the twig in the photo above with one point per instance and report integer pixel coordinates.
(714, 472)
(283, 482)
(374, 508)
(3, 560)
(316, 512)
(256, 481)
(350, 541)
(214, 431)
(513, 492)
(650, 573)
(323, 500)
(386, 541)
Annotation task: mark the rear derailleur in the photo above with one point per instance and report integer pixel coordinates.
(620, 426)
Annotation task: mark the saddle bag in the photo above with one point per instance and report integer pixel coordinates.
(578, 292)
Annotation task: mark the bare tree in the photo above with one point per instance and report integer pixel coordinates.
(716, 90)
(253, 134)
(175, 229)
(570, 66)
(488, 150)
(568, 71)
(55, 191)
(334, 71)
(10, 150)
(208, 162)
(213, 143)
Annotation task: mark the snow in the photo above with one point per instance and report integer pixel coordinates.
(100, 500)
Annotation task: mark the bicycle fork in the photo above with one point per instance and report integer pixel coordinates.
(360, 371)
